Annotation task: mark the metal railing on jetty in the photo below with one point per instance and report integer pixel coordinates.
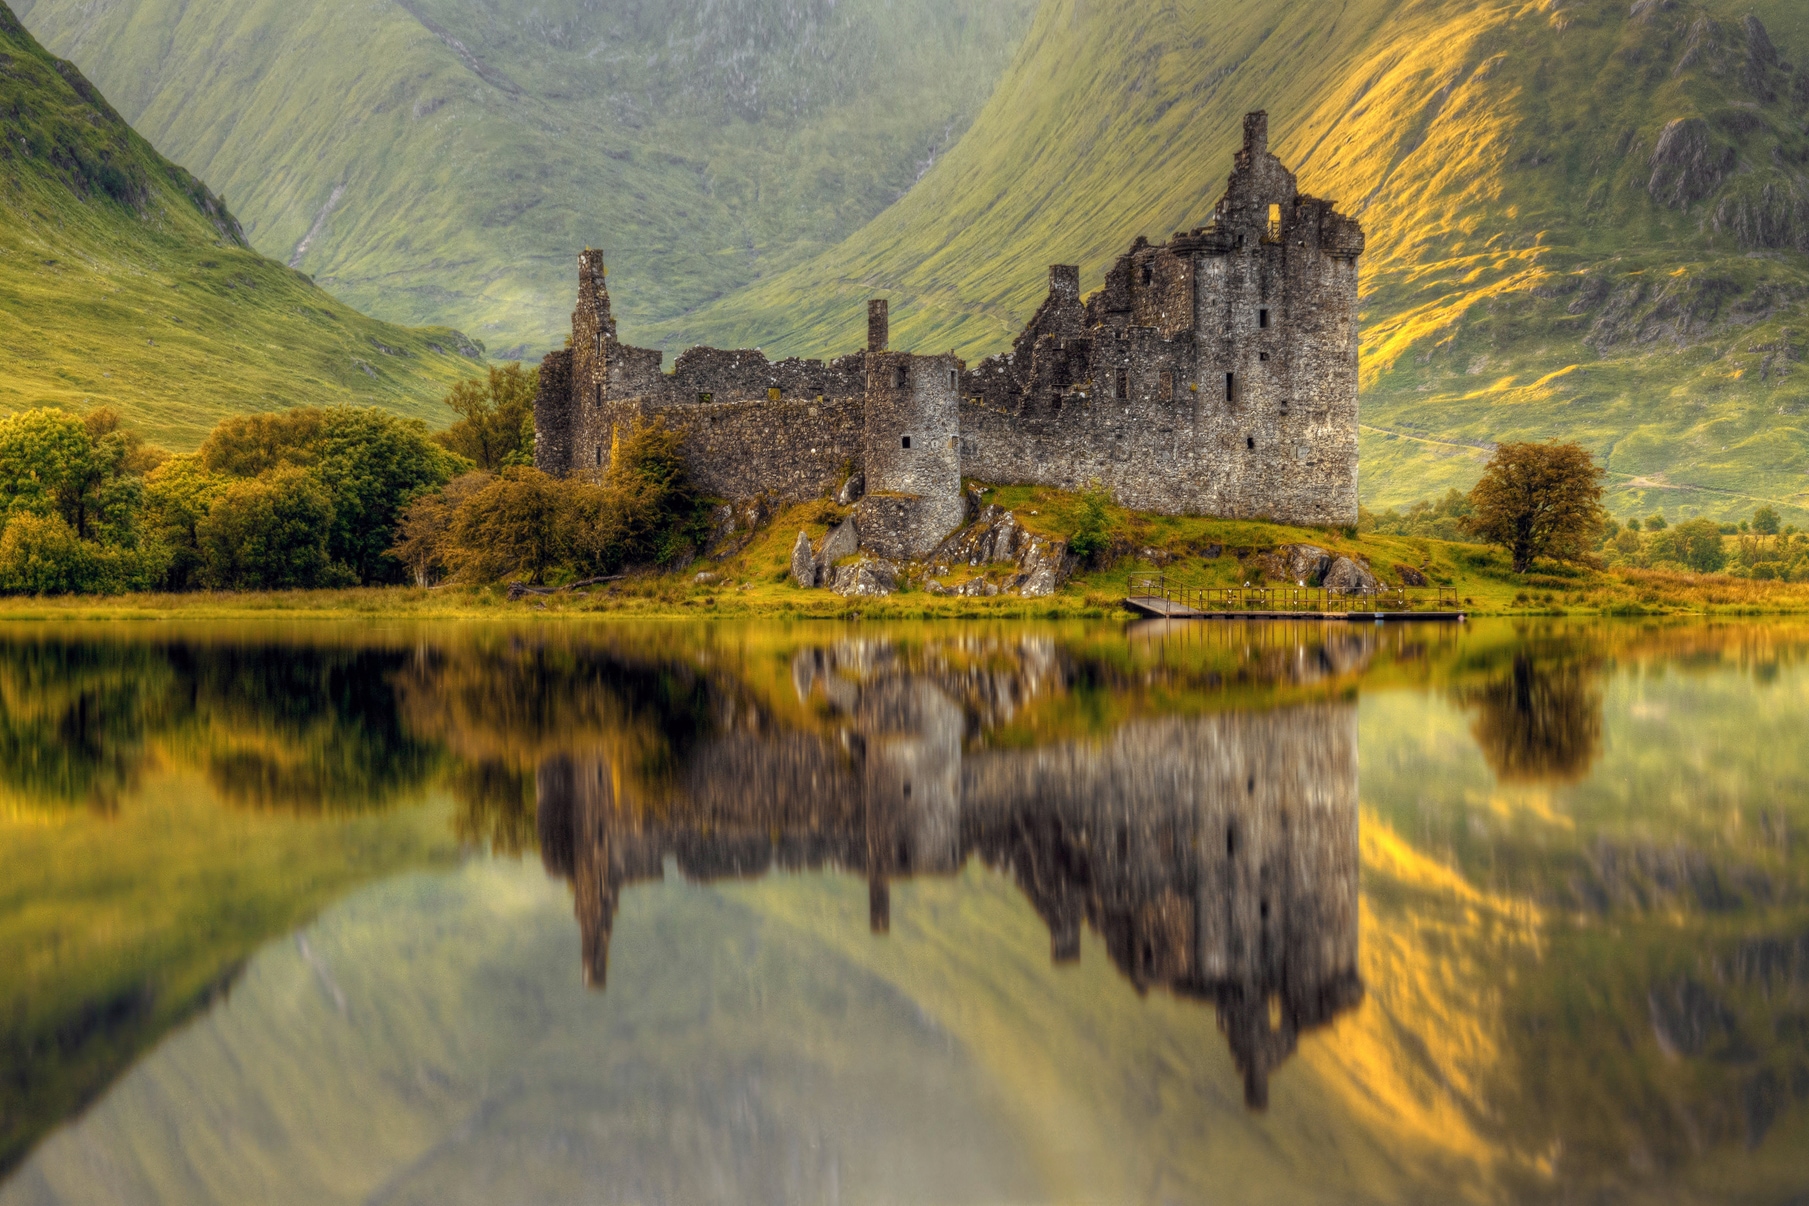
(1157, 595)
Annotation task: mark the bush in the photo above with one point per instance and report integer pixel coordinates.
(270, 533)
(1092, 533)
(42, 555)
(495, 430)
(1697, 544)
(511, 526)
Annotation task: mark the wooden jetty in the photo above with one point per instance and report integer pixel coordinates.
(1152, 595)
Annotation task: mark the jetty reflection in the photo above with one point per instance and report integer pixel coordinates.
(1215, 855)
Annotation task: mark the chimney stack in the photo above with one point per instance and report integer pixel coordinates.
(878, 326)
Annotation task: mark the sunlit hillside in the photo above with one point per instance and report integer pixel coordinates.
(443, 161)
(125, 281)
(1583, 220)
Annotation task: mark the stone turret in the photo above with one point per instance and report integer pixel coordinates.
(911, 454)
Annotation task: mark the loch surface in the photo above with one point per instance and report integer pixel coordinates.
(941, 913)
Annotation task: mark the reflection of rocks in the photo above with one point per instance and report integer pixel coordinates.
(1542, 721)
(1215, 856)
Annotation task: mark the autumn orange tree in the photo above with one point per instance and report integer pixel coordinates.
(1539, 500)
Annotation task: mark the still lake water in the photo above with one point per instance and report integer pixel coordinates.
(939, 914)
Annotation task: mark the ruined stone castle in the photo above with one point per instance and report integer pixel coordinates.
(1215, 374)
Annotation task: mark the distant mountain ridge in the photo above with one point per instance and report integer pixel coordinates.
(124, 280)
(445, 160)
(1584, 220)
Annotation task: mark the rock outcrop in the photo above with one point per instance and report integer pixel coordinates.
(817, 568)
(1352, 577)
(869, 577)
(1042, 563)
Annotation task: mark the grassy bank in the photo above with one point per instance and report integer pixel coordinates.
(754, 581)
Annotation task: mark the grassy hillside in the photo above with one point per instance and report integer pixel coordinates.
(124, 281)
(445, 160)
(1542, 259)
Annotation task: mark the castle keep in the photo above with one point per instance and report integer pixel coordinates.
(1215, 374)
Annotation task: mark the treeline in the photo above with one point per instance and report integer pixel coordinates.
(1761, 548)
(326, 497)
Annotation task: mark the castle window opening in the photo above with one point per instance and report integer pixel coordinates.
(1262, 355)
(1274, 232)
(951, 378)
(901, 377)
(1230, 387)
(599, 393)
(1122, 385)
(907, 441)
(599, 456)
(1149, 274)
(706, 397)
(1262, 320)
(1250, 442)
(774, 393)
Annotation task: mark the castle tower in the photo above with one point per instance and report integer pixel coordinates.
(911, 451)
(1275, 320)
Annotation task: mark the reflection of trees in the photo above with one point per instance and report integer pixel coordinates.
(1215, 855)
(1541, 721)
(272, 725)
(74, 719)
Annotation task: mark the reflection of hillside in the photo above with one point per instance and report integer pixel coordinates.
(1215, 856)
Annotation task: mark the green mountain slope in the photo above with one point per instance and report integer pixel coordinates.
(445, 160)
(1584, 220)
(124, 281)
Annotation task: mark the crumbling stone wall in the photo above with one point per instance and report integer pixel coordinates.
(1213, 374)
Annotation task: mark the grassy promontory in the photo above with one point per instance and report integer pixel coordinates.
(754, 581)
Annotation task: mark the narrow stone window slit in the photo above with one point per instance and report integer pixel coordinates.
(1149, 274)
(1262, 320)
(907, 441)
(1230, 387)
(1250, 442)
(901, 377)
(1122, 385)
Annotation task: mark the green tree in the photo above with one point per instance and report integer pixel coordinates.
(85, 471)
(1697, 544)
(1538, 500)
(268, 533)
(371, 462)
(1655, 523)
(177, 496)
(41, 555)
(496, 418)
(1765, 521)
(1092, 532)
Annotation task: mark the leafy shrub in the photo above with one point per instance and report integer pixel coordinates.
(1697, 544)
(41, 555)
(1092, 533)
(270, 533)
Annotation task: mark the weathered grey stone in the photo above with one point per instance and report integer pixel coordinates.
(1349, 576)
(1409, 576)
(803, 563)
(1298, 563)
(1213, 374)
(844, 540)
(994, 536)
(867, 578)
(1043, 566)
(851, 491)
(705, 578)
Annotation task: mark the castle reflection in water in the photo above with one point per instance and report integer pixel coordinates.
(1215, 854)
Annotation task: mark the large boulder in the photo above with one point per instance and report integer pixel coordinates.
(803, 562)
(867, 578)
(994, 536)
(1351, 577)
(844, 540)
(1043, 566)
